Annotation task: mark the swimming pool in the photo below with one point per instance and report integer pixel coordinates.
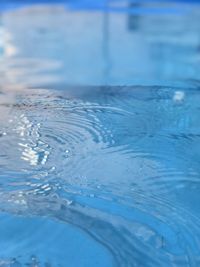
(99, 137)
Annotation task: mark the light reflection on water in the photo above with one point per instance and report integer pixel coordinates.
(99, 175)
(121, 164)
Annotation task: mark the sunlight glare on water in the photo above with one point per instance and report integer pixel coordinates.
(119, 163)
(93, 173)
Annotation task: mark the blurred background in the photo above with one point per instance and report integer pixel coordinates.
(121, 164)
(103, 42)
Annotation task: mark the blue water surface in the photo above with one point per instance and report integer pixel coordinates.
(100, 135)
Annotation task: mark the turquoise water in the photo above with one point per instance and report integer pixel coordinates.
(99, 138)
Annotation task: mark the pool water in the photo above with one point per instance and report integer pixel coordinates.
(93, 172)
(110, 175)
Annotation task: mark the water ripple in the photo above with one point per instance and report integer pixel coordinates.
(123, 167)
